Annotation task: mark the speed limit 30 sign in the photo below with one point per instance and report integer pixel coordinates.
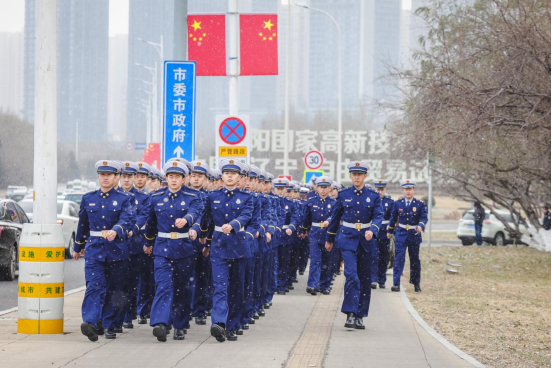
(313, 160)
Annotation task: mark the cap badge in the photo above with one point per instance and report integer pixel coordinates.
(140, 165)
(127, 164)
(104, 163)
(380, 181)
(408, 182)
(323, 179)
(357, 164)
(198, 164)
(231, 162)
(175, 164)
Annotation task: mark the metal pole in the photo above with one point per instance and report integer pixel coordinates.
(233, 85)
(288, 76)
(180, 39)
(429, 205)
(339, 108)
(159, 79)
(45, 129)
(77, 143)
(340, 95)
(41, 247)
(155, 127)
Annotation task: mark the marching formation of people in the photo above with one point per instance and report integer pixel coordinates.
(191, 242)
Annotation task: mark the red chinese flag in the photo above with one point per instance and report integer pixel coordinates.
(258, 44)
(207, 43)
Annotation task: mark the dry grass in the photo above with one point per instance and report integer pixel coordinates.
(497, 308)
(443, 235)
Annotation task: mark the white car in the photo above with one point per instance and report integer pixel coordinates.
(67, 217)
(493, 231)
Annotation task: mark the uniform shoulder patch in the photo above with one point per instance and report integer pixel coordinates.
(189, 194)
(155, 194)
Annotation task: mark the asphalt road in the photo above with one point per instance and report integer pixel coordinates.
(74, 278)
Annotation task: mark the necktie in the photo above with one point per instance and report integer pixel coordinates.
(407, 204)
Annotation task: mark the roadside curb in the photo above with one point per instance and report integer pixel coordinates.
(67, 293)
(435, 334)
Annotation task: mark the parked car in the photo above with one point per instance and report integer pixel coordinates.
(67, 217)
(12, 218)
(13, 188)
(493, 231)
(75, 197)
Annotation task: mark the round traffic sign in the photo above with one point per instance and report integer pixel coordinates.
(232, 131)
(129, 146)
(314, 160)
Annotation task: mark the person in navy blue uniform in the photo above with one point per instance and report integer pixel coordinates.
(380, 255)
(409, 218)
(140, 203)
(202, 270)
(168, 230)
(247, 183)
(264, 239)
(271, 257)
(288, 222)
(146, 286)
(316, 221)
(303, 236)
(231, 209)
(356, 217)
(105, 217)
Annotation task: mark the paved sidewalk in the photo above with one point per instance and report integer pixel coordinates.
(300, 330)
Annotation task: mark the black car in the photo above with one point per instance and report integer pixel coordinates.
(12, 218)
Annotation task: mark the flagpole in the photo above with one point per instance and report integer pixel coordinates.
(234, 98)
(288, 75)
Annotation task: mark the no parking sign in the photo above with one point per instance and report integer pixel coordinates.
(232, 137)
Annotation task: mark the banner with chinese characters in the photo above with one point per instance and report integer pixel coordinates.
(373, 146)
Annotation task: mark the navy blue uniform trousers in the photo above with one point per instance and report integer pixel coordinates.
(171, 303)
(358, 290)
(104, 297)
(228, 295)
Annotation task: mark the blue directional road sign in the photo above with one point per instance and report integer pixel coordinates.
(308, 174)
(179, 110)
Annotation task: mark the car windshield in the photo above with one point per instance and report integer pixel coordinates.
(469, 216)
(77, 198)
(27, 206)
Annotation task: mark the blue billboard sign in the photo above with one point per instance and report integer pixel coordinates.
(179, 110)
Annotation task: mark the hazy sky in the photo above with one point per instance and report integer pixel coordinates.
(12, 16)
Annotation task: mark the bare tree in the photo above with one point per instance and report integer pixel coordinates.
(479, 99)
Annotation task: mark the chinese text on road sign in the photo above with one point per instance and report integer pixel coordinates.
(179, 110)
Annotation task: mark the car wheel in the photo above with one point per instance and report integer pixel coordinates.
(466, 242)
(70, 247)
(499, 239)
(7, 272)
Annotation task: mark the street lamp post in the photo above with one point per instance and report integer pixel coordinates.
(158, 129)
(288, 81)
(339, 108)
(153, 136)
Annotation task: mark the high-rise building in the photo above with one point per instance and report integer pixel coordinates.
(82, 59)
(117, 88)
(150, 22)
(11, 73)
(29, 61)
(323, 55)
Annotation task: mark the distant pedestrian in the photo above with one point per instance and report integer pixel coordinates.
(478, 217)
(546, 219)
